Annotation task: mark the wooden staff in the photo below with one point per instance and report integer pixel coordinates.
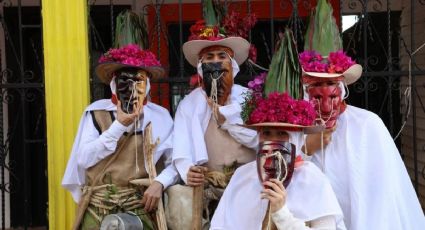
(197, 207)
(149, 149)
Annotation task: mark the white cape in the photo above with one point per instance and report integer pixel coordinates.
(309, 196)
(162, 125)
(368, 175)
(191, 121)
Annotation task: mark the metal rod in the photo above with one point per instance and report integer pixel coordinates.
(158, 33)
(390, 67)
(3, 163)
(249, 13)
(181, 60)
(24, 127)
(365, 24)
(272, 26)
(413, 93)
(111, 18)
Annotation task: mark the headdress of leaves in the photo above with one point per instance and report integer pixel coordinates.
(322, 32)
(130, 29)
(285, 71)
(281, 97)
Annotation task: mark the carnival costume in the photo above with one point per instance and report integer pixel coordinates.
(200, 138)
(310, 200)
(107, 155)
(361, 160)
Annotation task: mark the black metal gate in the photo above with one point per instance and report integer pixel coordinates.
(376, 41)
(23, 152)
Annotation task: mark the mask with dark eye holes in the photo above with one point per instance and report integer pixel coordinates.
(131, 87)
(217, 81)
(276, 159)
(328, 102)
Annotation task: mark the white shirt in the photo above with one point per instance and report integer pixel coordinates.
(89, 147)
(191, 121)
(368, 176)
(309, 198)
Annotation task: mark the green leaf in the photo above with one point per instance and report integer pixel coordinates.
(322, 32)
(210, 16)
(285, 72)
(130, 29)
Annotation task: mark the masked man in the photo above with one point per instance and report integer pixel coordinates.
(208, 144)
(357, 153)
(279, 188)
(108, 150)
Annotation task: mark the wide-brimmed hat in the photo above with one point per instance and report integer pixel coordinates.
(128, 56)
(238, 45)
(351, 75)
(287, 127)
(336, 64)
(279, 110)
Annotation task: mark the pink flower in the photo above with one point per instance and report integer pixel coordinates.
(130, 55)
(282, 108)
(337, 62)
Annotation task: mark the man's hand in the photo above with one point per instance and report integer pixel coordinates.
(220, 118)
(313, 141)
(152, 195)
(128, 119)
(195, 176)
(275, 193)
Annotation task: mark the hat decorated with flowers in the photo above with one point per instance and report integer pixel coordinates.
(216, 29)
(336, 65)
(323, 56)
(130, 41)
(275, 99)
(128, 56)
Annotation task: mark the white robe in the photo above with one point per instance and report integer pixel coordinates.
(89, 148)
(368, 175)
(191, 121)
(309, 197)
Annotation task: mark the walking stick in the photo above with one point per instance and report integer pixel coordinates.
(197, 206)
(149, 149)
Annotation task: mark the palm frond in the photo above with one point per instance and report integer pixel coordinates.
(285, 72)
(130, 29)
(322, 32)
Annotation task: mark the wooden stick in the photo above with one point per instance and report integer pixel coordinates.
(197, 207)
(149, 150)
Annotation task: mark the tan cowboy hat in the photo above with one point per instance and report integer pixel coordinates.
(239, 46)
(105, 70)
(287, 126)
(351, 75)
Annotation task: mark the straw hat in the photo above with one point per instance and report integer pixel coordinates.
(351, 75)
(287, 127)
(238, 45)
(128, 56)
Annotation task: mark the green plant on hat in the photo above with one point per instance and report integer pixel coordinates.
(322, 32)
(130, 29)
(285, 71)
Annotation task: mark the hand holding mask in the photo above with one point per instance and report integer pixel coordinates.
(276, 160)
(131, 89)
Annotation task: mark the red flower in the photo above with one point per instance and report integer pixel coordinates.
(131, 55)
(337, 62)
(282, 108)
